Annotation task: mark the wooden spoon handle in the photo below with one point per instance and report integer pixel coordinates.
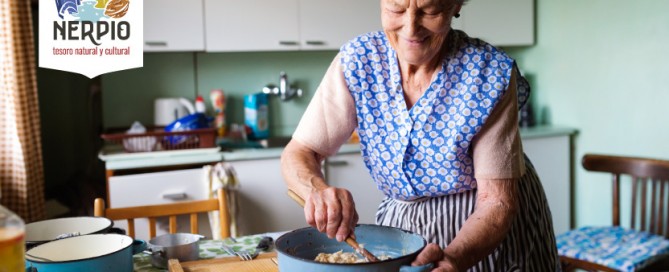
(349, 240)
(296, 197)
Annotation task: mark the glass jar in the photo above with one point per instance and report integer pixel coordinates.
(12, 241)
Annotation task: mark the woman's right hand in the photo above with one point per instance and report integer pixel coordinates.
(331, 210)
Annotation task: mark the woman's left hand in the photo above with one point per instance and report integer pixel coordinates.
(432, 253)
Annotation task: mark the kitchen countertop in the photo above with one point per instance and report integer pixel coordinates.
(118, 161)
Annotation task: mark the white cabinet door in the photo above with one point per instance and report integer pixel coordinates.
(173, 25)
(501, 23)
(551, 157)
(327, 24)
(264, 204)
(348, 171)
(251, 25)
(159, 188)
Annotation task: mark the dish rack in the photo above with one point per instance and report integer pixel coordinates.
(159, 140)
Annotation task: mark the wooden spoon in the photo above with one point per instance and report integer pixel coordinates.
(349, 240)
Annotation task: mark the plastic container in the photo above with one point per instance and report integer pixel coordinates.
(12, 241)
(200, 107)
(218, 104)
(256, 113)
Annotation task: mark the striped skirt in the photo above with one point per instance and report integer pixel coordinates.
(529, 246)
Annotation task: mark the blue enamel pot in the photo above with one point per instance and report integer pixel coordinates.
(95, 252)
(297, 249)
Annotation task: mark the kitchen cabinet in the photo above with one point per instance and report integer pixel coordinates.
(552, 156)
(327, 24)
(349, 171)
(173, 25)
(264, 205)
(500, 23)
(287, 25)
(255, 25)
(159, 188)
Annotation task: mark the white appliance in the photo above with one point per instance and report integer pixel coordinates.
(166, 110)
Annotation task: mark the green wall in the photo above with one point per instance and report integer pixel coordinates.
(129, 95)
(598, 66)
(601, 66)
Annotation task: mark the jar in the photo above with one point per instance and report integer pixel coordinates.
(12, 241)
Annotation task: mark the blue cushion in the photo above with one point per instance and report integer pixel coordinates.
(615, 247)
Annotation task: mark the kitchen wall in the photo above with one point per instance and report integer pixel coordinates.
(598, 66)
(601, 66)
(128, 95)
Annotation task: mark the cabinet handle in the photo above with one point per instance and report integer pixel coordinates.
(177, 196)
(337, 163)
(315, 42)
(288, 43)
(155, 43)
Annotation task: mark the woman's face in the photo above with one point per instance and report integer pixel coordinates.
(417, 28)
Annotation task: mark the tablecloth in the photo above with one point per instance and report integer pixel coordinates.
(208, 249)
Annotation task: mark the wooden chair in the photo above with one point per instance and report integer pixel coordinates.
(168, 210)
(649, 181)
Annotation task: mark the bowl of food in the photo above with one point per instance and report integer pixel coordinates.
(307, 249)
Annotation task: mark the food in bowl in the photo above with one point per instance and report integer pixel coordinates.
(344, 257)
(339, 257)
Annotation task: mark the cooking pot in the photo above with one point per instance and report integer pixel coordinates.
(297, 249)
(48, 230)
(95, 252)
(181, 246)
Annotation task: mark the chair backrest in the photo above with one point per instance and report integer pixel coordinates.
(172, 210)
(649, 176)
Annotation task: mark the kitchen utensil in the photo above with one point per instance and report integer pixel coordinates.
(297, 249)
(139, 144)
(166, 110)
(265, 262)
(242, 254)
(95, 252)
(48, 230)
(265, 244)
(349, 240)
(181, 246)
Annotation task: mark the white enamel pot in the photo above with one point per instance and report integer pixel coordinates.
(95, 252)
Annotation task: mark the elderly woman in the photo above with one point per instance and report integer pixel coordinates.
(436, 113)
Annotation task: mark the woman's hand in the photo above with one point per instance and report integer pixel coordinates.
(332, 211)
(432, 253)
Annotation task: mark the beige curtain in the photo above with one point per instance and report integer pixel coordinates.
(21, 171)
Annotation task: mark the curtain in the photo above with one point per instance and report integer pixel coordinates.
(21, 170)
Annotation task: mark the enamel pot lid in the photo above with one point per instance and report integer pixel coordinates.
(53, 229)
(79, 248)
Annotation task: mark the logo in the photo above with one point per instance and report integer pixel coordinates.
(91, 37)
